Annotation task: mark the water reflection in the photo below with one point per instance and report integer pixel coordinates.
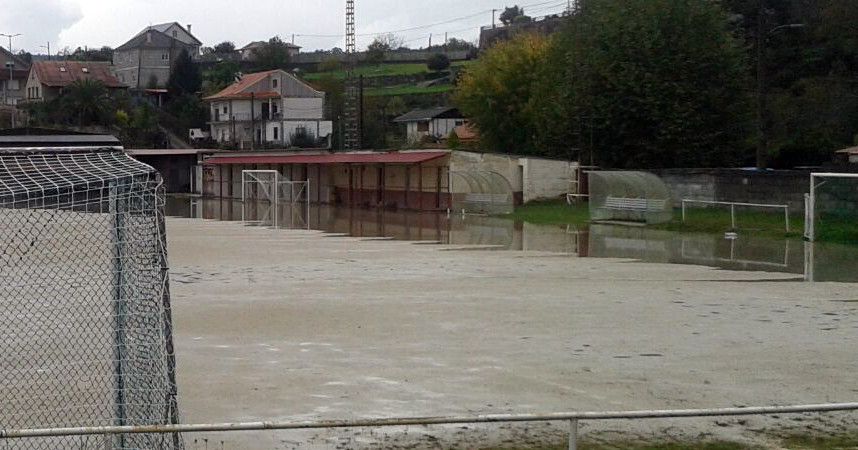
(816, 262)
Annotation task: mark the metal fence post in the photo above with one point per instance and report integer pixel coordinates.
(786, 217)
(683, 211)
(573, 434)
(733, 216)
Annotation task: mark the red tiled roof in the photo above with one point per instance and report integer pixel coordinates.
(332, 158)
(50, 73)
(236, 90)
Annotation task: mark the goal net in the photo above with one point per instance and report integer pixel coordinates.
(85, 322)
(831, 207)
(271, 199)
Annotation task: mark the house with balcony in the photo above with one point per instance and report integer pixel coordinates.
(146, 60)
(271, 109)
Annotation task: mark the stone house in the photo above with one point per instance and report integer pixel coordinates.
(146, 61)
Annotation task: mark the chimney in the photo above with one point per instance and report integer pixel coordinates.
(189, 28)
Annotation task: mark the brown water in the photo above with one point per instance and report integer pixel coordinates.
(812, 262)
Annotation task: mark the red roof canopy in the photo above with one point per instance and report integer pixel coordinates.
(333, 158)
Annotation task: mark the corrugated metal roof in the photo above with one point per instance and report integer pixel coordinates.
(429, 114)
(333, 158)
(64, 73)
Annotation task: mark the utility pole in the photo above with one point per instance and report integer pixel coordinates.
(11, 64)
(351, 116)
(446, 38)
(48, 47)
(493, 18)
(762, 144)
(430, 42)
(293, 38)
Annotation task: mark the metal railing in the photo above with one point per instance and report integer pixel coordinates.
(733, 206)
(573, 419)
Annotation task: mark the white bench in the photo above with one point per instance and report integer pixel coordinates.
(634, 204)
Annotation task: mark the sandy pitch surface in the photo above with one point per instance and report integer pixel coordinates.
(279, 324)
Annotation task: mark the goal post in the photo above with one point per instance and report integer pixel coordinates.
(276, 189)
(832, 197)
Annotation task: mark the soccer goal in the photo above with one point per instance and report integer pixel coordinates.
(85, 316)
(269, 195)
(833, 200)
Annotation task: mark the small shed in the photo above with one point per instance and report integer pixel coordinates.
(436, 123)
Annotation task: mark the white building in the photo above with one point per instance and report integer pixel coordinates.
(436, 123)
(269, 109)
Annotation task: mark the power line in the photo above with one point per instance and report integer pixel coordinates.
(420, 27)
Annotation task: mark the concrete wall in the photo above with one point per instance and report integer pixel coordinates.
(303, 108)
(135, 67)
(546, 179)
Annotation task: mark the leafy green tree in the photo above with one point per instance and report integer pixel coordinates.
(510, 13)
(185, 77)
(220, 76)
(224, 48)
(273, 55)
(660, 83)
(495, 93)
(438, 62)
(455, 44)
(86, 100)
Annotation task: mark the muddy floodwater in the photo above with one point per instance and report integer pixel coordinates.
(810, 262)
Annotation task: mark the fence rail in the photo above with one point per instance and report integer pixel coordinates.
(733, 206)
(573, 418)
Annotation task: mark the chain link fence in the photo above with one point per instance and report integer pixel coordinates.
(85, 324)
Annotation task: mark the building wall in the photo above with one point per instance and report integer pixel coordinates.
(303, 108)
(135, 67)
(544, 179)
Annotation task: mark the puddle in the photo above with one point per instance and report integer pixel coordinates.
(812, 262)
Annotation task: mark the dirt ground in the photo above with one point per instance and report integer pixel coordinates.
(296, 325)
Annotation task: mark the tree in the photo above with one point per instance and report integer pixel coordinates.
(86, 100)
(509, 14)
(220, 76)
(185, 77)
(455, 44)
(438, 62)
(224, 48)
(382, 44)
(495, 93)
(274, 54)
(87, 54)
(25, 56)
(656, 83)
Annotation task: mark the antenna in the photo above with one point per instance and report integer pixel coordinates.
(351, 138)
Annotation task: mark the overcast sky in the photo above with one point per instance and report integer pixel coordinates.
(94, 23)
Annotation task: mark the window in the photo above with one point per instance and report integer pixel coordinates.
(175, 33)
(274, 107)
(224, 109)
(165, 56)
(13, 85)
(274, 83)
(276, 133)
(423, 126)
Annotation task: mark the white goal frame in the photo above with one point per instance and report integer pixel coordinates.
(272, 187)
(810, 201)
